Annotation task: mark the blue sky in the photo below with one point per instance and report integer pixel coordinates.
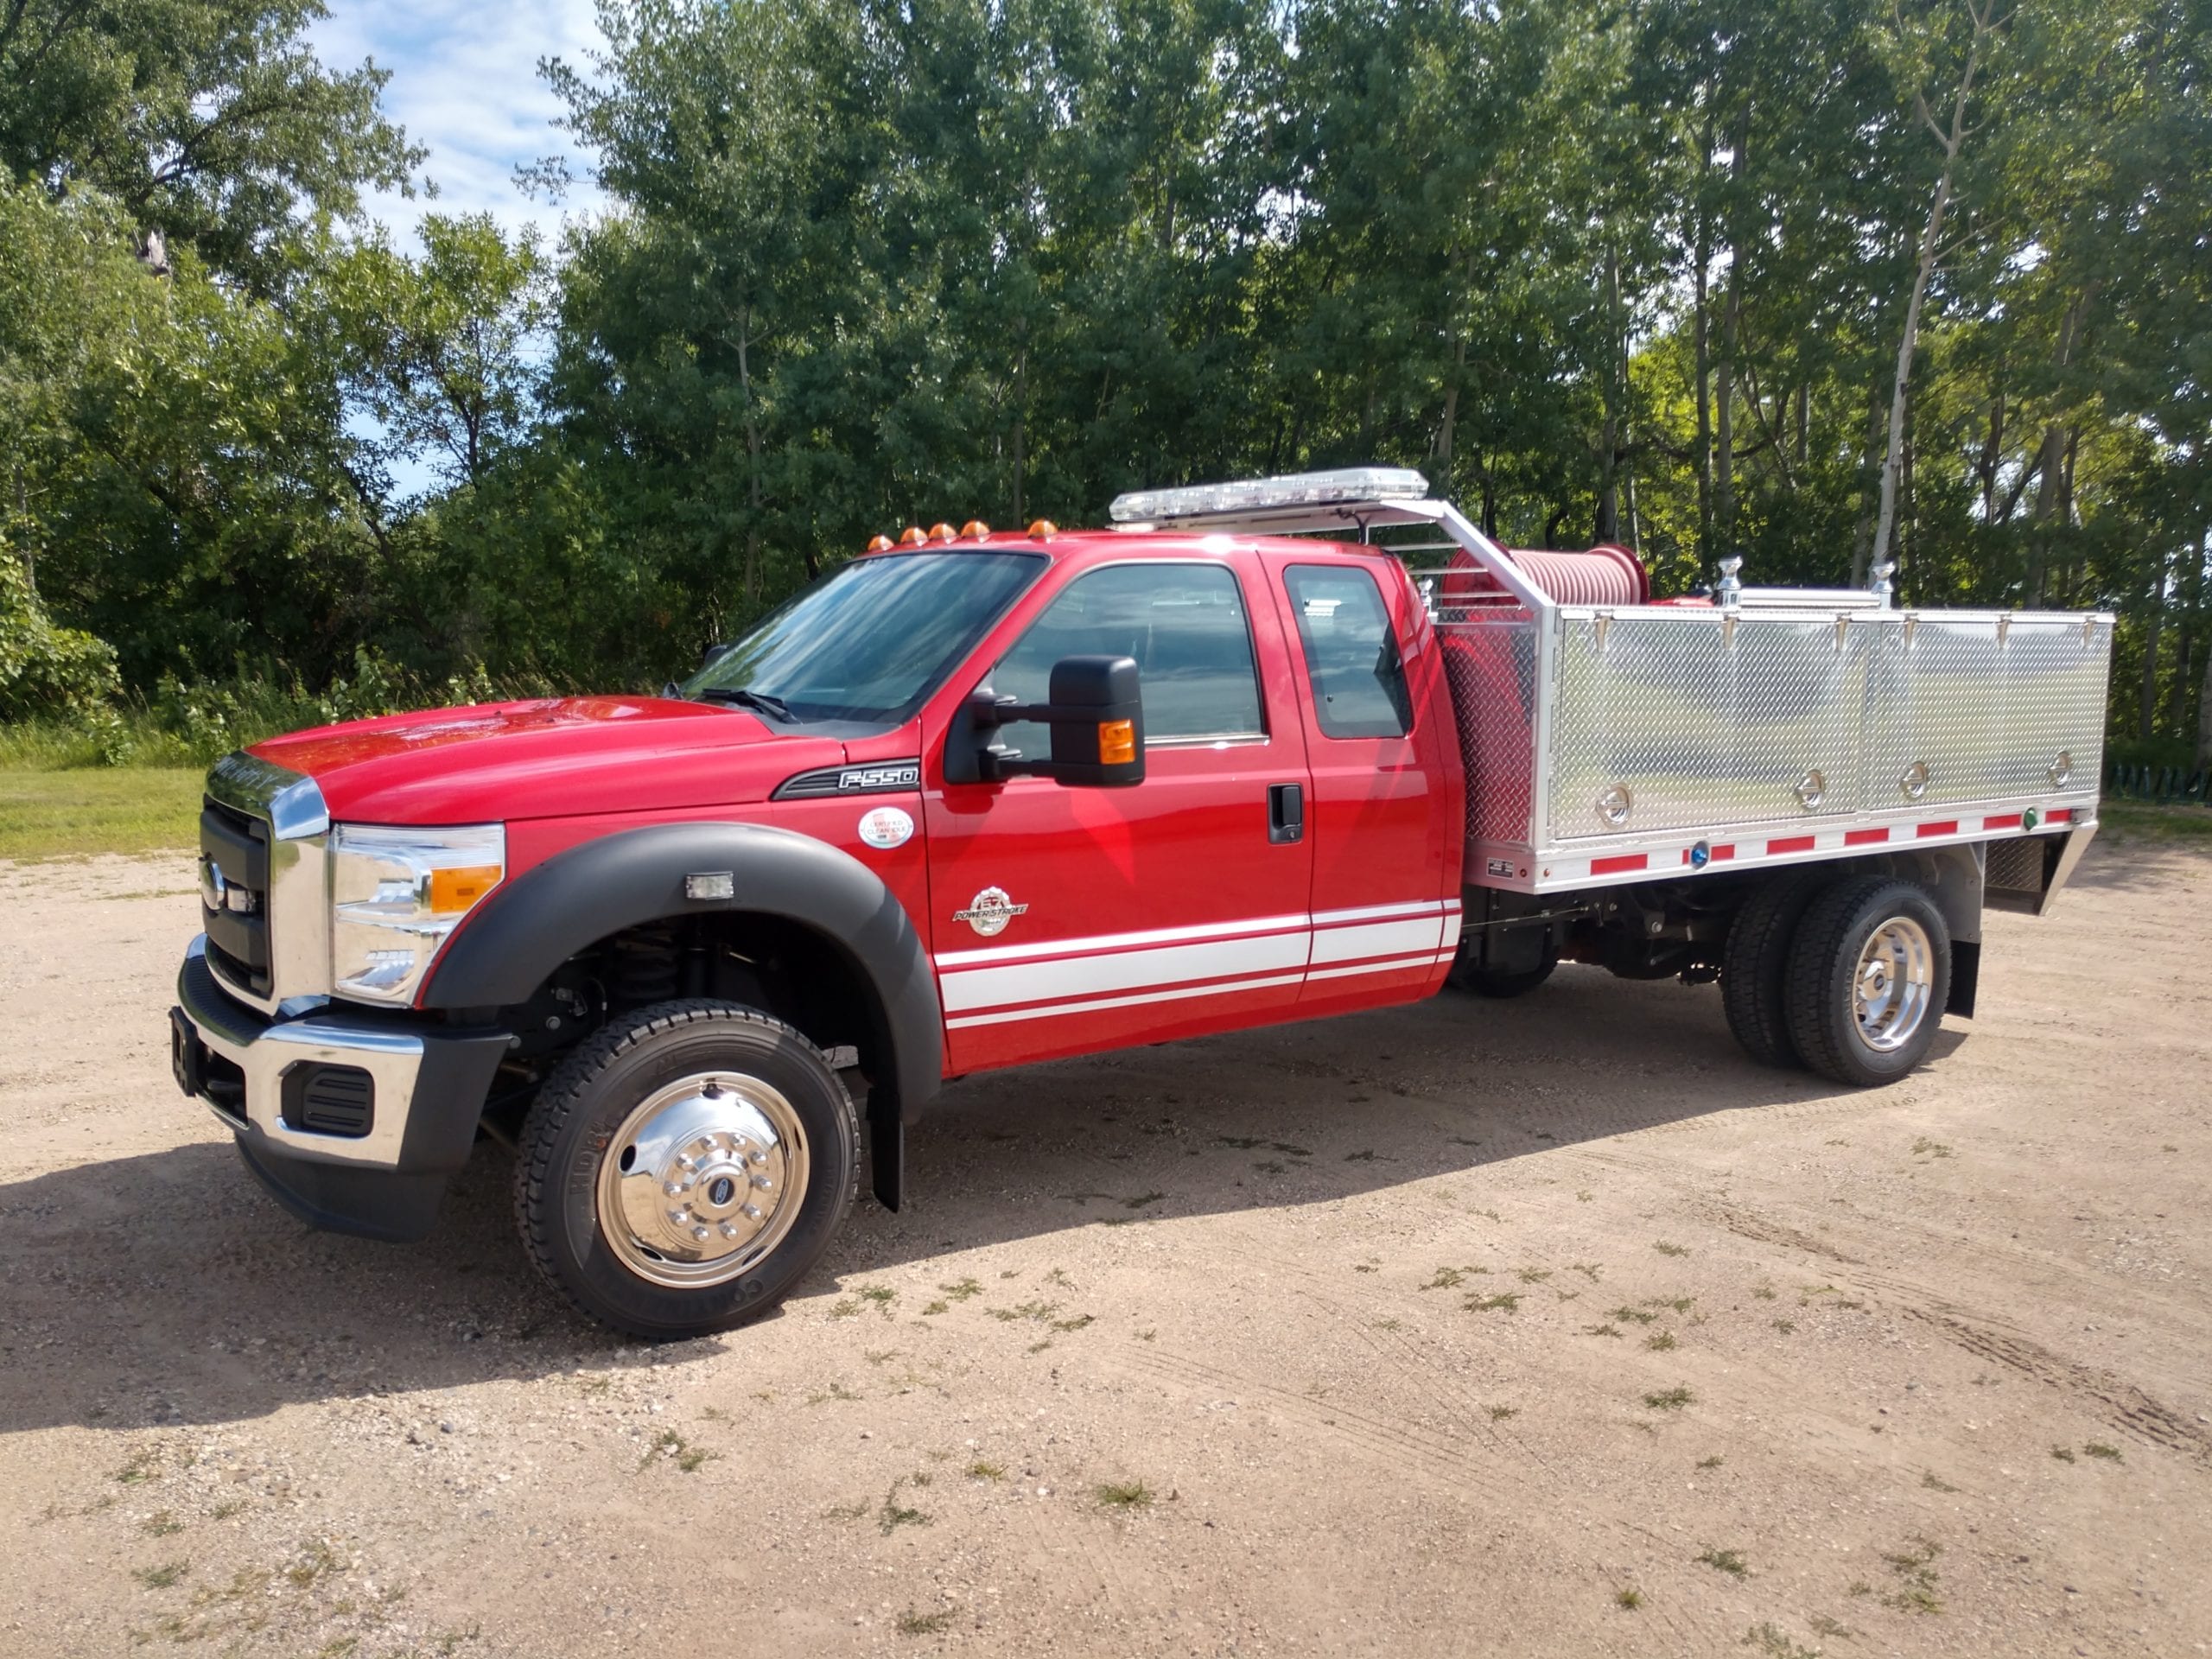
(464, 83)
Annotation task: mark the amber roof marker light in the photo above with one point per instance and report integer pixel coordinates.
(1042, 530)
(912, 536)
(880, 543)
(975, 531)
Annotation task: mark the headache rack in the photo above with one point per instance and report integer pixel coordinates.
(1617, 743)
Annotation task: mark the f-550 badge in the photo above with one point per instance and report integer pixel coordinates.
(989, 911)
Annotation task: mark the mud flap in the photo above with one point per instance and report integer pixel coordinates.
(887, 1149)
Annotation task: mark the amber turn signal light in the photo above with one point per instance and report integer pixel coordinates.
(456, 892)
(879, 543)
(1117, 742)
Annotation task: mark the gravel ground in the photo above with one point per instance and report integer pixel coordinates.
(1551, 1327)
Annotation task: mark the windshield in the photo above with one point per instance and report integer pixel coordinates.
(870, 640)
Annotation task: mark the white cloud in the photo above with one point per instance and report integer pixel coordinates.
(464, 84)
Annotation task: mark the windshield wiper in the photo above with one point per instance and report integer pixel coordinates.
(745, 696)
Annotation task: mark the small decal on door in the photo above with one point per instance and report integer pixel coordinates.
(886, 826)
(989, 911)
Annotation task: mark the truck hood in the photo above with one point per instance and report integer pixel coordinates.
(550, 757)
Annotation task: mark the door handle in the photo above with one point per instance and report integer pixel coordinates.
(1286, 812)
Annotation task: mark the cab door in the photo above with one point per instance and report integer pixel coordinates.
(1071, 920)
(1385, 809)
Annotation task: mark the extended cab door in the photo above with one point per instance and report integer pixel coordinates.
(1385, 818)
(1070, 919)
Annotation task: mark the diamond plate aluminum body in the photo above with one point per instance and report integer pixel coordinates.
(1713, 722)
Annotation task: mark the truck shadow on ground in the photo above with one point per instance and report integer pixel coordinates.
(167, 1289)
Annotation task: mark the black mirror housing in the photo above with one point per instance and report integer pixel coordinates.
(714, 654)
(1096, 716)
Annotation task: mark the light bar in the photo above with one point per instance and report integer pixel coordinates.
(1344, 484)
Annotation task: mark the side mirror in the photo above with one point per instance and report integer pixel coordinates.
(1096, 716)
(714, 654)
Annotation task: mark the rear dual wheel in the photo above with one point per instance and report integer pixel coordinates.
(1848, 978)
(684, 1169)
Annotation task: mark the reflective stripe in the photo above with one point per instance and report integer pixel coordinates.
(1426, 959)
(1177, 995)
(1055, 977)
(1377, 940)
(1118, 941)
(1034, 982)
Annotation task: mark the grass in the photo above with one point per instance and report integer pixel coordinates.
(1916, 1573)
(913, 1624)
(2187, 825)
(982, 1470)
(894, 1514)
(1713, 1462)
(1672, 1400)
(1628, 1600)
(1665, 1248)
(1124, 1494)
(2099, 1449)
(1505, 1301)
(161, 1576)
(45, 815)
(1775, 1644)
(1663, 1343)
(1725, 1560)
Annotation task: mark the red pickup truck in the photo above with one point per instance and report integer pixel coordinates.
(979, 799)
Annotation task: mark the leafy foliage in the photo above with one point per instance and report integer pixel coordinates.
(1644, 274)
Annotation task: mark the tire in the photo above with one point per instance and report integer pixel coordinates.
(1756, 958)
(1491, 982)
(756, 1107)
(1876, 1038)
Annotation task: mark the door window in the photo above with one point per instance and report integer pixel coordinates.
(1184, 624)
(1352, 654)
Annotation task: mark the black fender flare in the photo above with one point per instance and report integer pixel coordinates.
(531, 925)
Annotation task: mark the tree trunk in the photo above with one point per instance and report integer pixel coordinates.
(2146, 719)
(1885, 521)
(1732, 334)
(1607, 527)
(753, 451)
(1021, 409)
(1705, 548)
(2205, 693)
(1862, 537)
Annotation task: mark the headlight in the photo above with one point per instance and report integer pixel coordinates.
(395, 894)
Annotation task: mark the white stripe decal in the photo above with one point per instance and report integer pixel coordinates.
(1378, 939)
(1031, 981)
(1125, 1001)
(951, 959)
(1450, 940)
(1426, 959)
(1377, 913)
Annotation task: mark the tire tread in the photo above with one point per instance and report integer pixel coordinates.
(1755, 962)
(1810, 984)
(562, 1092)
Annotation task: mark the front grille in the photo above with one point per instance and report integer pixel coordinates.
(234, 895)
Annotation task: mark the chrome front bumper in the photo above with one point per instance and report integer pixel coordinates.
(428, 1087)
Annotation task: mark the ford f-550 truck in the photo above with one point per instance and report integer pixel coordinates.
(978, 800)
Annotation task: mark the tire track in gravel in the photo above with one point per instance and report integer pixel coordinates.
(1445, 1459)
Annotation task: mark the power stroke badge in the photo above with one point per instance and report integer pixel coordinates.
(989, 911)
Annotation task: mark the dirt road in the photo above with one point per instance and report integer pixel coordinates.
(1551, 1328)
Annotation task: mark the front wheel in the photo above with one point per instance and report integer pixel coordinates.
(1869, 974)
(683, 1169)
